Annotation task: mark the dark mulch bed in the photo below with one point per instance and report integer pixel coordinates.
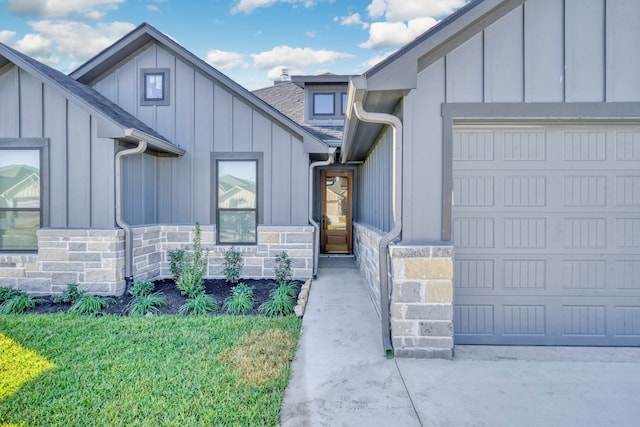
(218, 288)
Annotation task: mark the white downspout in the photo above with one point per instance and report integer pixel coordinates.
(396, 204)
(316, 232)
(128, 238)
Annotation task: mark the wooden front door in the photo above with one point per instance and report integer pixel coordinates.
(336, 212)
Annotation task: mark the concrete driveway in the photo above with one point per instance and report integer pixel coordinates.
(340, 377)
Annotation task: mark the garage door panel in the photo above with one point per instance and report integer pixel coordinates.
(546, 225)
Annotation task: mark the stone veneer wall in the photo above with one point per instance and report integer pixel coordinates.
(95, 258)
(259, 260)
(365, 250)
(422, 301)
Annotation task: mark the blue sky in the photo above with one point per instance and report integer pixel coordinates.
(248, 40)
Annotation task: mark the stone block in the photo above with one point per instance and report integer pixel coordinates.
(6, 272)
(53, 254)
(436, 328)
(252, 271)
(100, 275)
(426, 311)
(84, 256)
(64, 278)
(269, 237)
(62, 266)
(404, 328)
(77, 246)
(179, 237)
(299, 238)
(423, 353)
(428, 268)
(407, 291)
(439, 292)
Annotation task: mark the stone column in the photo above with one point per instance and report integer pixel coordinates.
(422, 301)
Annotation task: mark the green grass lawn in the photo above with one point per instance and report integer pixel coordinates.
(165, 370)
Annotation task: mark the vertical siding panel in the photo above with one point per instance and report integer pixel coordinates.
(150, 190)
(503, 64)
(262, 143)
(544, 53)
(299, 183)
(10, 105)
(30, 106)
(464, 72)
(622, 40)
(203, 136)
(585, 51)
(280, 191)
(241, 139)
(165, 114)
(184, 176)
(146, 113)
(127, 87)
(164, 178)
(79, 171)
(222, 119)
(423, 156)
(108, 87)
(102, 180)
(55, 121)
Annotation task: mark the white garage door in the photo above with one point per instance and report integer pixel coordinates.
(546, 228)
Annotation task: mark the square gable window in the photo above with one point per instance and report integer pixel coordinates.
(154, 86)
(323, 104)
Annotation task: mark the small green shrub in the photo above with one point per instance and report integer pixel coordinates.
(280, 302)
(283, 268)
(176, 258)
(19, 303)
(68, 296)
(240, 301)
(194, 267)
(143, 304)
(142, 288)
(7, 293)
(199, 305)
(90, 305)
(232, 265)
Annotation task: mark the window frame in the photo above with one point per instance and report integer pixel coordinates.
(333, 104)
(343, 103)
(166, 86)
(42, 146)
(256, 157)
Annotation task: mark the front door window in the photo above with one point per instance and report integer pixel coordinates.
(336, 212)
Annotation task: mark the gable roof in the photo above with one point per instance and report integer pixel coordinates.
(381, 88)
(119, 123)
(92, 70)
(288, 98)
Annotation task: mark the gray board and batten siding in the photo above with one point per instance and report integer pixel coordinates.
(556, 66)
(203, 117)
(81, 182)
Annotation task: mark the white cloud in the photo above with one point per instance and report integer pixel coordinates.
(295, 57)
(54, 9)
(353, 19)
(6, 35)
(248, 6)
(226, 60)
(64, 44)
(153, 8)
(403, 10)
(392, 34)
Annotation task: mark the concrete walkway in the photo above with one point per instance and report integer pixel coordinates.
(341, 378)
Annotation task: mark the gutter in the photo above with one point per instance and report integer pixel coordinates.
(128, 232)
(396, 204)
(316, 226)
